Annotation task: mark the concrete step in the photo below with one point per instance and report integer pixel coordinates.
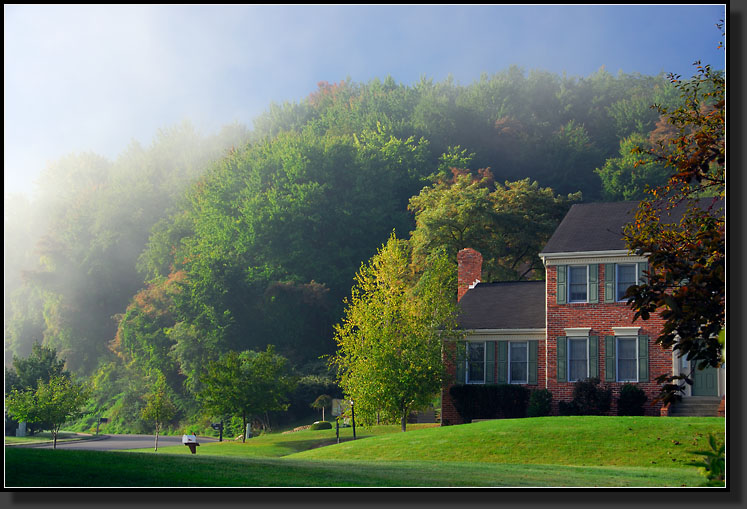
(696, 406)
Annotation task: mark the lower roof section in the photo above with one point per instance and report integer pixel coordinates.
(509, 305)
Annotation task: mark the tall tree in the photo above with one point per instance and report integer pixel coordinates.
(686, 279)
(389, 341)
(508, 223)
(249, 384)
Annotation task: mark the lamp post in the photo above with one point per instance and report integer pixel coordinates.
(352, 412)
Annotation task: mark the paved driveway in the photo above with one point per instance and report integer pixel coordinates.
(121, 442)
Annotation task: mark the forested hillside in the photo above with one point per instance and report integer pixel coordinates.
(169, 255)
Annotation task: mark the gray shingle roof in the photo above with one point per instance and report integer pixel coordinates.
(511, 305)
(598, 226)
(592, 227)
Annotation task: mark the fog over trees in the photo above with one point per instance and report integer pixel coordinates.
(173, 254)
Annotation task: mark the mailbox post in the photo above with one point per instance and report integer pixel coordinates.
(191, 442)
(218, 426)
(102, 420)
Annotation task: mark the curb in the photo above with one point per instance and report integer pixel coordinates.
(92, 438)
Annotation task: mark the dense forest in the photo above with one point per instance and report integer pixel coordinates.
(161, 260)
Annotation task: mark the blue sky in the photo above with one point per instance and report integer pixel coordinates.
(93, 78)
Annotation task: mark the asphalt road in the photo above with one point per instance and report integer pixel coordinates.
(121, 442)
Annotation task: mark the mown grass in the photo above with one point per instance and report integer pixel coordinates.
(66, 468)
(567, 451)
(580, 441)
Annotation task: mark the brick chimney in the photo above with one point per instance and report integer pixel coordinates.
(469, 262)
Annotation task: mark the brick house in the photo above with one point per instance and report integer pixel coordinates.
(574, 325)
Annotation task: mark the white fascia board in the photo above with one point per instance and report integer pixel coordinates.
(504, 334)
(611, 256)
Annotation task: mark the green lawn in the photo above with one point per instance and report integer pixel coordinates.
(553, 451)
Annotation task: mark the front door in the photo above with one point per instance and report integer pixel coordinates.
(705, 382)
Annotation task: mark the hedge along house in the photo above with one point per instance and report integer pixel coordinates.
(572, 326)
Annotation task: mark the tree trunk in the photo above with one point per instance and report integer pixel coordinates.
(322, 413)
(54, 437)
(156, 438)
(404, 420)
(243, 418)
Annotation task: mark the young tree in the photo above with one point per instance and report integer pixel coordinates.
(248, 383)
(158, 406)
(390, 339)
(53, 403)
(686, 278)
(322, 402)
(40, 366)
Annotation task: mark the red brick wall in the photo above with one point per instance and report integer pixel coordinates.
(449, 414)
(601, 318)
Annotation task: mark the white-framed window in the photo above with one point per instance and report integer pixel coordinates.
(475, 362)
(626, 276)
(627, 359)
(578, 283)
(578, 359)
(518, 362)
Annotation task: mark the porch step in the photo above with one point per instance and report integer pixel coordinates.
(696, 406)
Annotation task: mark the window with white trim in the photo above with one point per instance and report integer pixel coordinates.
(627, 276)
(518, 362)
(578, 283)
(578, 359)
(627, 359)
(475, 362)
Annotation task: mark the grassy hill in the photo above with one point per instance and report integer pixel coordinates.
(555, 451)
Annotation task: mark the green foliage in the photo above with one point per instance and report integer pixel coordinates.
(389, 341)
(247, 384)
(158, 408)
(589, 398)
(321, 425)
(631, 400)
(508, 224)
(713, 464)
(41, 365)
(50, 405)
(629, 176)
(540, 403)
(488, 401)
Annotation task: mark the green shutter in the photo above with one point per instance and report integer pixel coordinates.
(490, 362)
(562, 289)
(461, 359)
(562, 359)
(532, 361)
(593, 356)
(642, 279)
(609, 282)
(594, 283)
(502, 377)
(643, 358)
(609, 359)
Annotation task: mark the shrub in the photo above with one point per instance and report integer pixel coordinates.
(590, 398)
(321, 425)
(631, 401)
(490, 401)
(540, 403)
(568, 408)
